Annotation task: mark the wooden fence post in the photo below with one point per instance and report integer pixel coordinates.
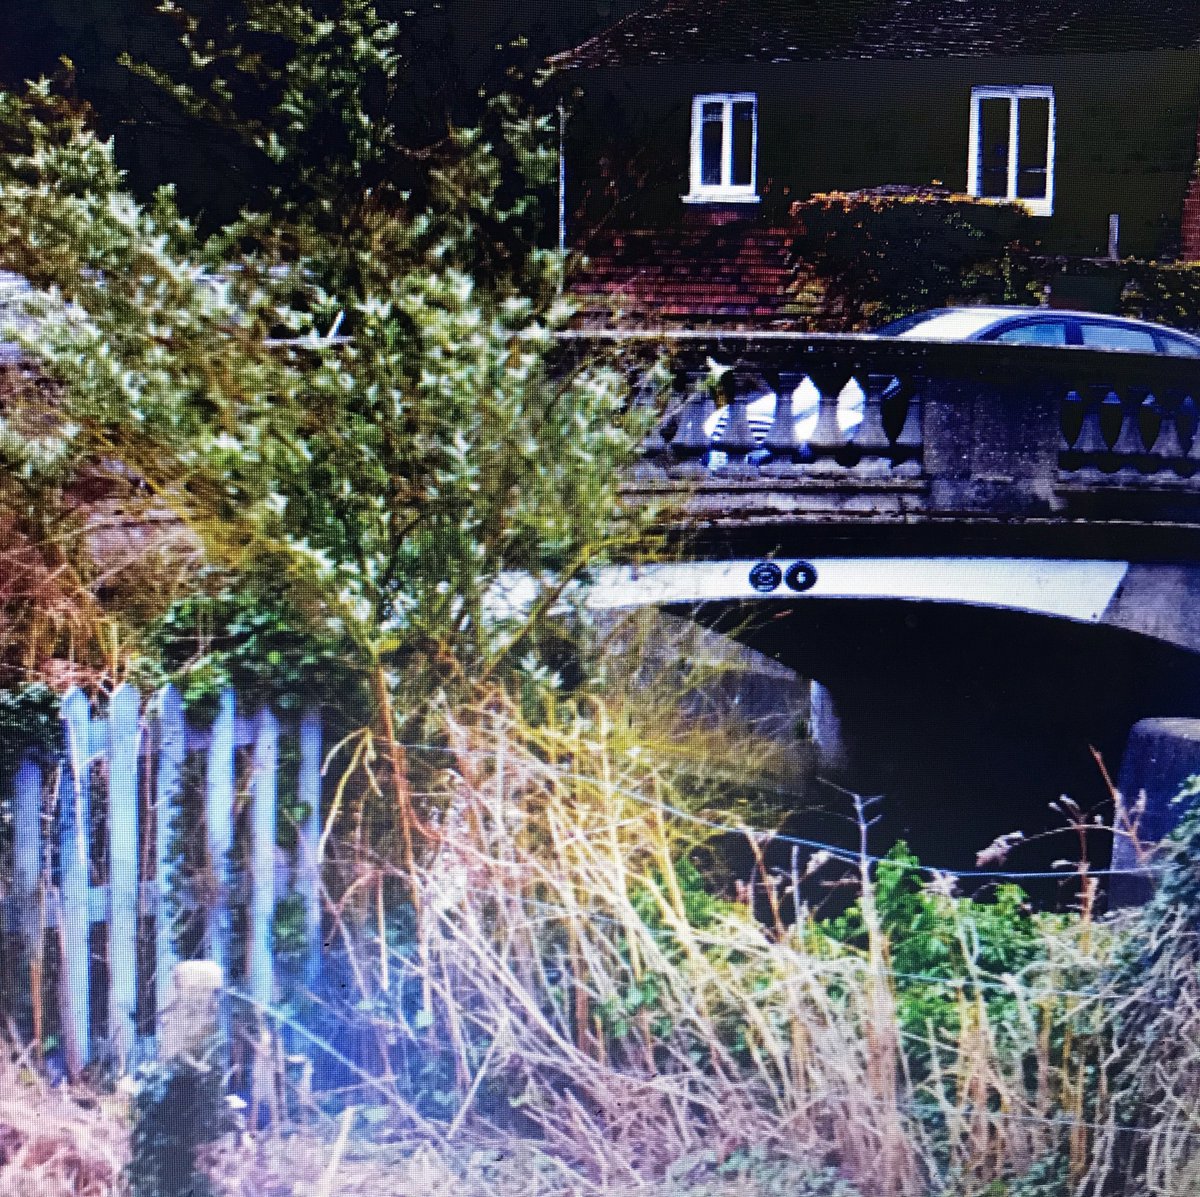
(124, 727)
(309, 880)
(74, 830)
(27, 882)
(218, 812)
(262, 856)
(172, 747)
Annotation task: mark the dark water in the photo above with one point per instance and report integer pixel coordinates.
(968, 724)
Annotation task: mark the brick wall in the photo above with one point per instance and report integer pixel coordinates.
(1189, 232)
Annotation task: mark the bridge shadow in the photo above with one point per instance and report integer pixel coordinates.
(969, 722)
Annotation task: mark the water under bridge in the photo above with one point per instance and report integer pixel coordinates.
(987, 557)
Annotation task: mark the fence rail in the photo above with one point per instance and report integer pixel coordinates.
(79, 863)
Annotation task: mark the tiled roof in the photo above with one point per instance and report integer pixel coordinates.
(727, 275)
(805, 30)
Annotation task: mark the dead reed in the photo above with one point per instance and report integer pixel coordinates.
(580, 986)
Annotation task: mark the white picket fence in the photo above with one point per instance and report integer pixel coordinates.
(54, 887)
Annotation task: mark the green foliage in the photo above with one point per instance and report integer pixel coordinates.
(934, 937)
(751, 1173)
(702, 908)
(1048, 1177)
(308, 86)
(257, 641)
(1165, 293)
(289, 930)
(879, 257)
(29, 719)
(389, 480)
(1173, 960)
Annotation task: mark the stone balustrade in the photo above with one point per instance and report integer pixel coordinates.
(866, 428)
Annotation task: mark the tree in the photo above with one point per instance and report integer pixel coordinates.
(453, 52)
(346, 388)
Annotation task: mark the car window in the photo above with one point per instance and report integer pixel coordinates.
(1179, 346)
(1117, 336)
(1040, 332)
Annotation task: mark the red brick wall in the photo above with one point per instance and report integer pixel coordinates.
(1189, 233)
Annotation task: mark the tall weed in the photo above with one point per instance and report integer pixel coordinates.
(569, 976)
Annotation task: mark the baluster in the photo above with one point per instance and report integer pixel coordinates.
(1148, 424)
(262, 857)
(124, 727)
(1187, 421)
(1129, 449)
(871, 438)
(1166, 452)
(781, 443)
(736, 439)
(654, 450)
(168, 788)
(74, 831)
(1070, 420)
(910, 442)
(828, 439)
(1091, 453)
(691, 444)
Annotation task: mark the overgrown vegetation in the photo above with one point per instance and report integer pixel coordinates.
(1166, 293)
(578, 997)
(371, 480)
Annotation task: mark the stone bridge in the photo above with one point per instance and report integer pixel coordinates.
(986, 556)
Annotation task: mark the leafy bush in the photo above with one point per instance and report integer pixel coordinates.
(881, 256)
(948, 952)
(751, 1173)
(1154, 1067)
(29, 719)
(1165, 293)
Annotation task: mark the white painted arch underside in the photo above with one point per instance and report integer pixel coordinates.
(1066, 589)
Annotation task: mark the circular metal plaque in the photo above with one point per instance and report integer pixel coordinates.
(765, 577)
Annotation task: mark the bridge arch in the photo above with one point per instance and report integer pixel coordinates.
(1156, 601)
(971, 693)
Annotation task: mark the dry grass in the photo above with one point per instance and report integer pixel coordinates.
(572, 984)
(597, 1025)
(55, 1143)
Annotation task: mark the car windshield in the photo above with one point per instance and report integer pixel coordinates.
(1179, 346)
(957, 324)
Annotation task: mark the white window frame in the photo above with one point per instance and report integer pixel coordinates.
(1036, 207)
(725, 191)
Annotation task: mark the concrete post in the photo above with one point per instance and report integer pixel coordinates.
(1159, 756)
(825, 728)
(191, 1021)
(179, 1104)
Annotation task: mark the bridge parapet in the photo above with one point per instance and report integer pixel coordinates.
(864, 429)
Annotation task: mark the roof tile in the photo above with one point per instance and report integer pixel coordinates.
(799, 30)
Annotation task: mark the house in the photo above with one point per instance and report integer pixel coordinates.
(693, 125)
